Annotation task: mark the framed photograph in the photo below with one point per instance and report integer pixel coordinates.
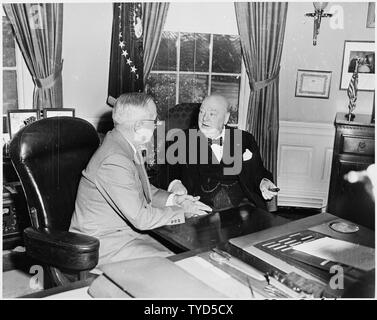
(313, 84)
(58, 112)
(371, 16)
(18, 119)
(364, 51)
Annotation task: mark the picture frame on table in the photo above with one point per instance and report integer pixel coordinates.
(354, 50)
(58, 112)
(313, 84)
(18, 119)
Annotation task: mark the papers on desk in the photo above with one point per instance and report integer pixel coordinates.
(216, 278)
(75, 294)
(344, 252)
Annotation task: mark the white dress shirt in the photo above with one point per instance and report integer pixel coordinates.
(216, 148)
(170, 199)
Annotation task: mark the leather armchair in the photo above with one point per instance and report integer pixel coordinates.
(181, 116)
(49, 156)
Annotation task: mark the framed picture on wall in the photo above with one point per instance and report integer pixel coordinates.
(18, 119)
(313, 84)
(58, 112)
(365, 52)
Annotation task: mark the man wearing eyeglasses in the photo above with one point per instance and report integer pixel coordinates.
(115, 200)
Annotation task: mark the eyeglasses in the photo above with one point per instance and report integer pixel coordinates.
(156, 122)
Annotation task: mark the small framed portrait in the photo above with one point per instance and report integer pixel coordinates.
(18, 119)
(360, 53)
(58, 112)
(313, 84)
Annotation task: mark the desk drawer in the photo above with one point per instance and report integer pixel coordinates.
(358, 145)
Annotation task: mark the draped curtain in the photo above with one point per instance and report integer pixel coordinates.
(126, 57)
(38, 30)
(154, 17)
(261, 27)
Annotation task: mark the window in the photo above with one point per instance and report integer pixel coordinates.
(10, 94)
(190, 66)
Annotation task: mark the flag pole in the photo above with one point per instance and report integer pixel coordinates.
(352, 92)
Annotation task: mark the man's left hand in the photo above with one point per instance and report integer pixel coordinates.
(265, 186)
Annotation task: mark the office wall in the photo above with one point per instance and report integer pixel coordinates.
(299, 53)
(86, 53)
(306, 124)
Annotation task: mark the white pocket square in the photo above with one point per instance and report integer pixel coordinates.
(247, 155)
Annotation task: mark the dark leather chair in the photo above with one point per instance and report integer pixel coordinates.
(182, 116)
(49, 156)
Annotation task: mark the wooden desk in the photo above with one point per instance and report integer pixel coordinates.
(244, 247)
(216, 228)
(318, 222)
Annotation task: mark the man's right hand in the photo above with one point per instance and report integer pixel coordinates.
(192, 206)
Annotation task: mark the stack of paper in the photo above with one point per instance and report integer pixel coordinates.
(340, 251)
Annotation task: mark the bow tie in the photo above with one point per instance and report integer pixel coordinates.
(218, 141)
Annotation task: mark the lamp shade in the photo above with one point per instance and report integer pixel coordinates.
(320, 5)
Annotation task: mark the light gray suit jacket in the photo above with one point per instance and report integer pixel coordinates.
(111, 204)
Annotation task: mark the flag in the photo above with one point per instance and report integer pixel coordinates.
(352, 89)
(126, 58)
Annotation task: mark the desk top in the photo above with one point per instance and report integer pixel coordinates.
(317, 223)
(246, 247)
(217, 228)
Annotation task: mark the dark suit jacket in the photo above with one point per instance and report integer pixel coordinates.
(250, 176)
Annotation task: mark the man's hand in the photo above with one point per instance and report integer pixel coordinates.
(265, 186)
(177, 187)
(191, 205)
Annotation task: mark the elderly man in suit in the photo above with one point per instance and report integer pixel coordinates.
(115, 200)
(211, 178)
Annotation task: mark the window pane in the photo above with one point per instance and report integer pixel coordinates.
(9, 56)
(229, 87)
(10, 100)
(226, 56)
(194, 52)
(192, 88)
(166, 59)
(162, 88)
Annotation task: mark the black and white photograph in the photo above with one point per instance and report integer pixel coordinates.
(17, 119)
(360, 54)
(188, 158)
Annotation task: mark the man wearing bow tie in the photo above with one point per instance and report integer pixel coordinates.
(210, 180)
(115, 200)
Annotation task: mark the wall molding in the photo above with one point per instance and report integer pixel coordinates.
(308, 128)
(304, 163)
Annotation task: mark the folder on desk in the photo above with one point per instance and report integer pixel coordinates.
(154, 277)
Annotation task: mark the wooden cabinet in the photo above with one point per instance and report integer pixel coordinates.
(353, 150)
(15, 212)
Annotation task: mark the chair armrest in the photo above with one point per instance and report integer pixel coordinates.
(62, 249)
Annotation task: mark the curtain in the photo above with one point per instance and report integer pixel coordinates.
(154, 17)
(126, 57)
(38, 30)
(261, 27)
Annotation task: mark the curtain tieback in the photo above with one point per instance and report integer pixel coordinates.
(49, 81)
(258, 85)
